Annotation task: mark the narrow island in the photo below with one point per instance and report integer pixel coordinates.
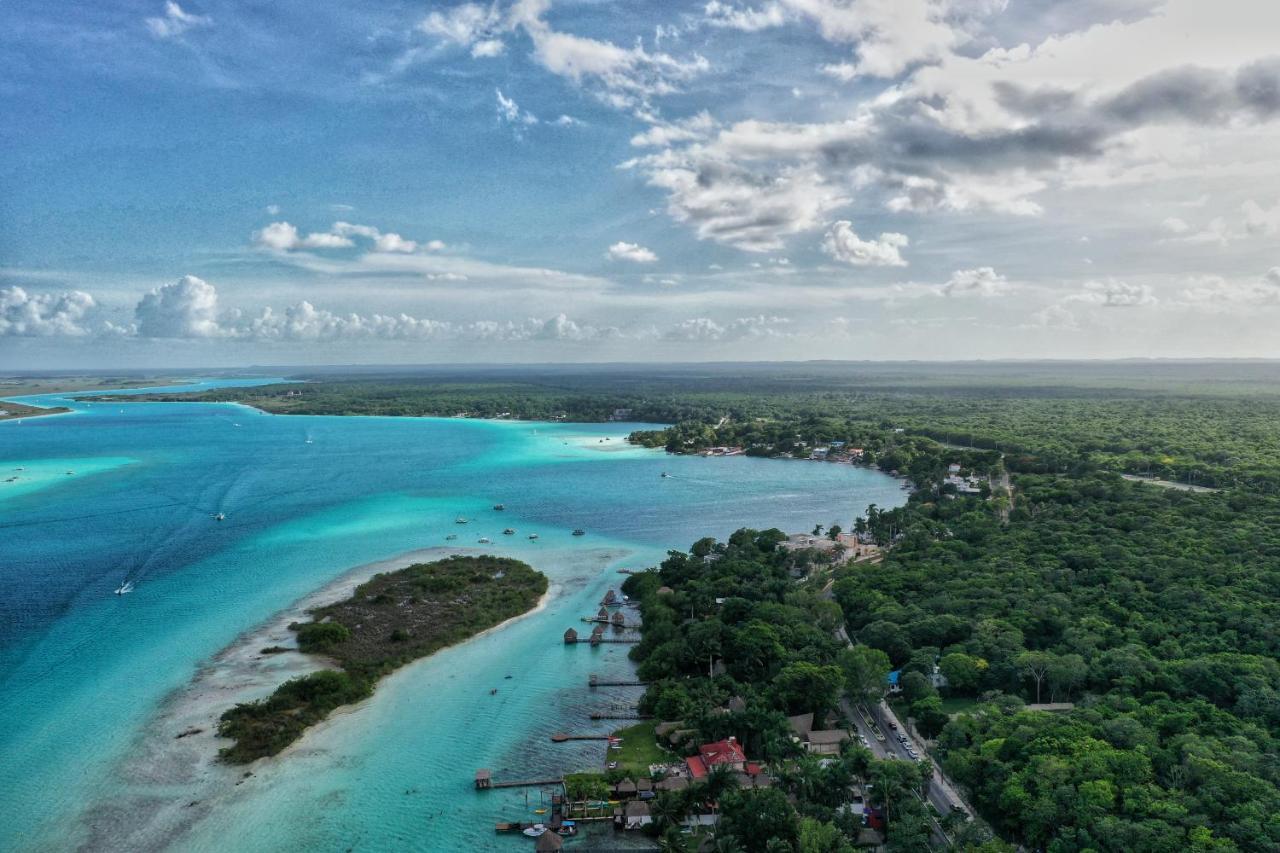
(389, 621)
(13, 411)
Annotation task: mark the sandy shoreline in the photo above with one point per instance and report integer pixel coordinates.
(179, 747)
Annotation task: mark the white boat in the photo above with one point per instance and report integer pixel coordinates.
(308, 441)
(459, 520)
(125, 588)
(219, 516)
(533, 536)
(484, 540)
(535, 830)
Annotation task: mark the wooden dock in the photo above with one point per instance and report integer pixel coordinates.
(593, 681)
(560, 737)
(599, 640)
(599, 715)
(485, 781)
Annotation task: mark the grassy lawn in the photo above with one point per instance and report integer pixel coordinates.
(639, 749)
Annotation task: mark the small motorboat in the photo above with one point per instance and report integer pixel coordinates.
(665, 475)
(539, 811)
(499, 507)
(308, 441)
(533, 536)
(451, 537)
(535, 830)
(219, 516)
(579, 532)
(493, 692)
(460, 520)
(484, 540)
(509, 531)
(125, 588)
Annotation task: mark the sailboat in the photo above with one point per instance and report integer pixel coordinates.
(125, 588)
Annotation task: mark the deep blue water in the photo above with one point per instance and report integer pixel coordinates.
(83, 671)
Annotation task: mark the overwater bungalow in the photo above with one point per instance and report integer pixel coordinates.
(619, 621)
(570, 636)
(603, 614)
(610, 598)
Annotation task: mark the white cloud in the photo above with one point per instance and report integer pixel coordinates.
(705, 330)
(980, 281)
(487, 48)
(510, 112)
(843, 244)
(745, 18)
(25, 314)
(628, 77)
(175, 21)
(622, 251)
(1055, 317)
(188, 308)
(1113, 293)
(1260, 221)
(1174, 225)
(467, 25)
(1273, 277)
(284, 237)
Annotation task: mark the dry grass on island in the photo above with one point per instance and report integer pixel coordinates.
(389, 621)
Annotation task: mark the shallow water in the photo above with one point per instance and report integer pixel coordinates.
(86, 677)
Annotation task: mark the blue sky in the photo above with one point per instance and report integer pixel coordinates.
(209, 183)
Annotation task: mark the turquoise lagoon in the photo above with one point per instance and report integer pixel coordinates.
(87, 677)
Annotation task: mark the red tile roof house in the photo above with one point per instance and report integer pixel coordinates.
(726, 752)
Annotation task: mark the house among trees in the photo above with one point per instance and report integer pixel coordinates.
(723, 752)
(826, 741)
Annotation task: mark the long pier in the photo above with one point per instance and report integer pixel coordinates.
(597, 640)
(560, 737)
(597, 715)
(484, 782)
(593, 681)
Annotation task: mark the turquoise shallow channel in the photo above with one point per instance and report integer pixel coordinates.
(95, 687)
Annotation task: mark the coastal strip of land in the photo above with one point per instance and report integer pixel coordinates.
(179, 750)
(14, 411)
(390, 620)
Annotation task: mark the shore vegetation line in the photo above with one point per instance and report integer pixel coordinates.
(1094, 662)
(389, 621)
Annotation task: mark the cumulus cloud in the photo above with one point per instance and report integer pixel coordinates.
(24, 314)
(1113, 293)
(622, 251)
(706, 330)
(175, 21)
(965, 132)
(980, 281)
(844, 244)
(187, 308)
(284, 237)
